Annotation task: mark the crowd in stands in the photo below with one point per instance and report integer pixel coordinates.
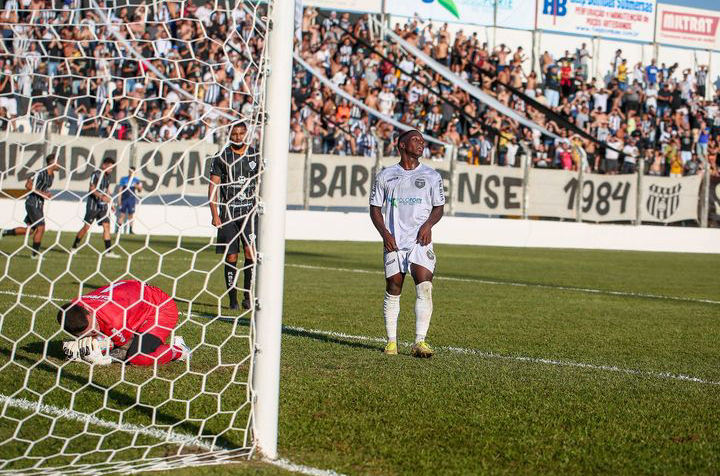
(651, 113)
(60, 65)
(150, 69)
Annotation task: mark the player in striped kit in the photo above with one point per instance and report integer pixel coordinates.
(97, 206)
(38, 185)
(232, 198)
(414, 198)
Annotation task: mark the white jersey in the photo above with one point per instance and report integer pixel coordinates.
(410, 195)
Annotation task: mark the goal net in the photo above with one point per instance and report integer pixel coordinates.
(156, 86)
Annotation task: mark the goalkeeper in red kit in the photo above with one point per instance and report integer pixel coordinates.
(127, 321)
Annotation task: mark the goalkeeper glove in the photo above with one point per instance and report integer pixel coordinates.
(98, 352)
(77, 349)
(72, 350)
(90, 349)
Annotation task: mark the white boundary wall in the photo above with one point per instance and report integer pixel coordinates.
(339, 226)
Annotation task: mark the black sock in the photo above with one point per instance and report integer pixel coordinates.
(76, 242)
(108, 244)
(10, 232)
(230, 271)
(247, 275)
(36, 248)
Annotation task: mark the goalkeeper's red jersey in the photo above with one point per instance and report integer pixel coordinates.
(127, 307)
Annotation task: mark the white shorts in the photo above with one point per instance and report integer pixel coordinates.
(686, 156)
(399, 261)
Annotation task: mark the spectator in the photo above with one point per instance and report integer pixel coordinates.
(612, 154)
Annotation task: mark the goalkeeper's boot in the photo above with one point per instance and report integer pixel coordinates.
(421, 350)
(391, 348)
(179, 342)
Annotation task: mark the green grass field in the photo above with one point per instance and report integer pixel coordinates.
(548, 361)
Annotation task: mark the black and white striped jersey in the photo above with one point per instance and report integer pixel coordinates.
(42, 181)
(238, 181)
(101, 180)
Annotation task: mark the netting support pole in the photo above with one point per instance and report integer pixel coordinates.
(307, 169)
(705, 194)
(639, 196)
(451, 181)
(271, 236)
(527, 159)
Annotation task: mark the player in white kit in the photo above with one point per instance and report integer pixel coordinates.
(413, 197)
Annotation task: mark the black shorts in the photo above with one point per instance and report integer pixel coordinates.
(234, 235)
(34, 217)
(99, 214)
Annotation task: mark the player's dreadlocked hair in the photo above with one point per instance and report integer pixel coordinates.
(73, 318)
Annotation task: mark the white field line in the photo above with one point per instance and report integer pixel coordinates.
(168, 436)
(522, 285)
(516, 358)
(479, 353)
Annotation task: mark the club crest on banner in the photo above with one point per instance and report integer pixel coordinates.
(663, 201)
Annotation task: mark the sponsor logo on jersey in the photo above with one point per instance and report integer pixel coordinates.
(431, 255)
(420, 183)
(391, 179)
(396, 202)
(119, 335)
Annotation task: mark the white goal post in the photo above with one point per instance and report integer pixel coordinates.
(271, 267)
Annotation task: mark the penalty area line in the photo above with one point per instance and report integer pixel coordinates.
(523, 285)
(516, 358)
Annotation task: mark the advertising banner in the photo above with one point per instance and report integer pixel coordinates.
(715, 199)
(345, 181)
(510, 13)
(488, 190)
(170, 168)
(621, 19)
(691, 27)
(666, 199)
(553, 193)
(335, 182)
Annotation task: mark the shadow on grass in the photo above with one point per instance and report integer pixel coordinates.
(54, 349)
(320, 337)
(329, 339)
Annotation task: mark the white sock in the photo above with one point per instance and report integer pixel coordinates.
(391, 310)
(423, 310)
